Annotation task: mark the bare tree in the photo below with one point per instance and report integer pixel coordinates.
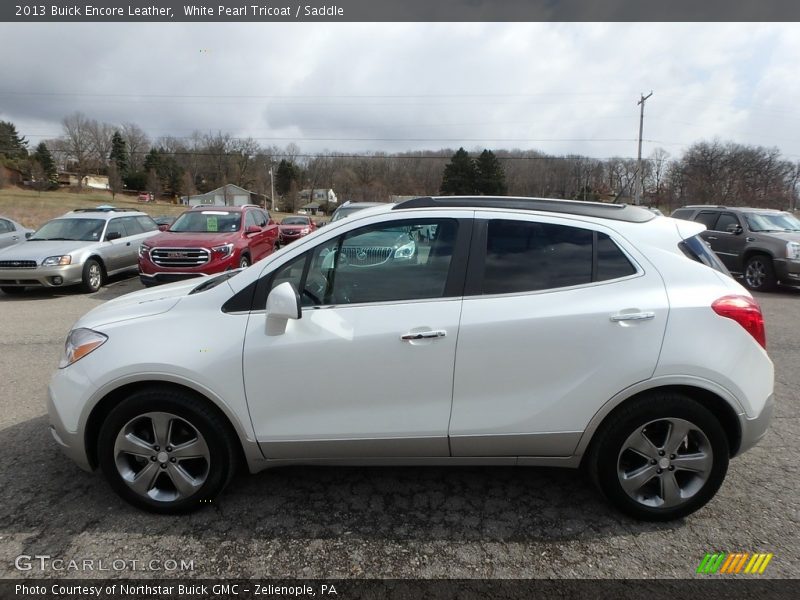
(114, 180)
(77, 144)
(100, 135)
(138, 145)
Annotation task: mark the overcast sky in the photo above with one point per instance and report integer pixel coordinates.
(560, 88)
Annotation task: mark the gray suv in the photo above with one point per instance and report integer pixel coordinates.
(761, 244)
(82, 247)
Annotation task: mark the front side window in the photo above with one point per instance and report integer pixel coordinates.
(404, 260)
(523, 256)
(250, 219)
(116, 226)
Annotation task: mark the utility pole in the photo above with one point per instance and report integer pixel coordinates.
(637, 198)
(271, 186)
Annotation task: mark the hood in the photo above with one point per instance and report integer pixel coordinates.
(144, 303)
(294, 227)
(789, 236)
(383, 239)
(191, 239)
(38, 251)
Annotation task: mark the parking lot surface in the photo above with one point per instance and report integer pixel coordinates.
(373, 522)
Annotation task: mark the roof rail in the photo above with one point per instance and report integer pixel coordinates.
(104, 209)
(616, 212)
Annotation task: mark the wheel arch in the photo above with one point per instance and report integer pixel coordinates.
(111, 399)
(714, 402)
(751, 252)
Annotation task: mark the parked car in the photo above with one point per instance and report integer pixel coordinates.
(145, 197)
(206, 240)
(293, 228)
(592, 335)
(12, 232)
(348, 208)
(761, 244)
(84, 246)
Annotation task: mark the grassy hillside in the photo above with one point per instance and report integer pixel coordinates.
(32, 208)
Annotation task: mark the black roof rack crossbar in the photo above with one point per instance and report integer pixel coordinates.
(616, 212)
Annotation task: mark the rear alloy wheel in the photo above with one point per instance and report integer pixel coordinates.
(11, 291)
(244, 261)
(165, 451)
(660, 458)
(92, 279)
(759, 274)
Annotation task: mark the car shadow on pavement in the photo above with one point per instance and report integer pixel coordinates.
(42, 493)
(113, 287)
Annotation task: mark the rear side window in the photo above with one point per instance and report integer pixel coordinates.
(682, 213)
(523, 256)
(725, 221)
(707, 218)
(699, 251)
(147, 223)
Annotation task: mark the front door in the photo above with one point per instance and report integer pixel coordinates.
(368, 369)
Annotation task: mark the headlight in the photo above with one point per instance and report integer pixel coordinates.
(144, 251)
(223, 251)
(53, 261)
(305, 230)
(406, 251)
(793, 250)
(80, 342)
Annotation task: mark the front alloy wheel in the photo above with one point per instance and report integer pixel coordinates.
(759, 274)
(166, 450)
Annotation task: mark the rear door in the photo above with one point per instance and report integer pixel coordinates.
(559, 316)
(9, 234)
(729, 246)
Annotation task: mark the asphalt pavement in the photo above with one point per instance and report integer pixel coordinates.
(371, 522)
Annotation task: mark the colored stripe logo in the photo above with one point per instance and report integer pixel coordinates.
(734, 563)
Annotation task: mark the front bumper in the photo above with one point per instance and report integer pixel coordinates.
(42, 276)
(754, 429)
(71, 443)
(787, 271)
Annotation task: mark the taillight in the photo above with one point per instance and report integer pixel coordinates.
(746, 312)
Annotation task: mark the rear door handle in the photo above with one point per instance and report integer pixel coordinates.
(424, 335)
(639, 316)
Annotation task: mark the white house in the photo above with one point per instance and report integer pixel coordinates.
(227, 195)
(319, 195)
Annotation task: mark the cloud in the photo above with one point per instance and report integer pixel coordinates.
(562, 88)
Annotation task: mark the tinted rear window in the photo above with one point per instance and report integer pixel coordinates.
(682, 213)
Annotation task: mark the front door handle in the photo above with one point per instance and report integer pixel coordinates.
(424, 335)
(711, 237)
(638, 316)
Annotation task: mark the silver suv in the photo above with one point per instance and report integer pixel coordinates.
(82, 247)
(761, 244)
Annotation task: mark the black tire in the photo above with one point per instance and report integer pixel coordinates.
(209, 476)
(93, 276)
(759, 273)
(609, 461)
(244, 261)
(12, 291)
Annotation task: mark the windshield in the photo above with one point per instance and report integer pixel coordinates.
(296, 221)
(772, 222)
(207, 221)
(79, 230)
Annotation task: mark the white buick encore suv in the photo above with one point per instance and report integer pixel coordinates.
(503, 331)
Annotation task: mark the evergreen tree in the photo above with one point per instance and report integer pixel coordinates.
(460, 175)
(119, 154)
(152, 161)
(285, 174)
(491, 179)
(48, 172)
(12, 146)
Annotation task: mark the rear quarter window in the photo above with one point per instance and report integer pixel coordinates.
(699, 251)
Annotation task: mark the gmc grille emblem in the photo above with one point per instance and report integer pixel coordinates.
(176, 254)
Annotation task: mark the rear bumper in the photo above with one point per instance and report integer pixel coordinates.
(754, 429)
(42, 276)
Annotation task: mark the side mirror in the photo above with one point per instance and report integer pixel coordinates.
(283, 303)
(163, 227)
(113, 235)
(734, 229)
(320, 223)
(252, 229)
(28, 235)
